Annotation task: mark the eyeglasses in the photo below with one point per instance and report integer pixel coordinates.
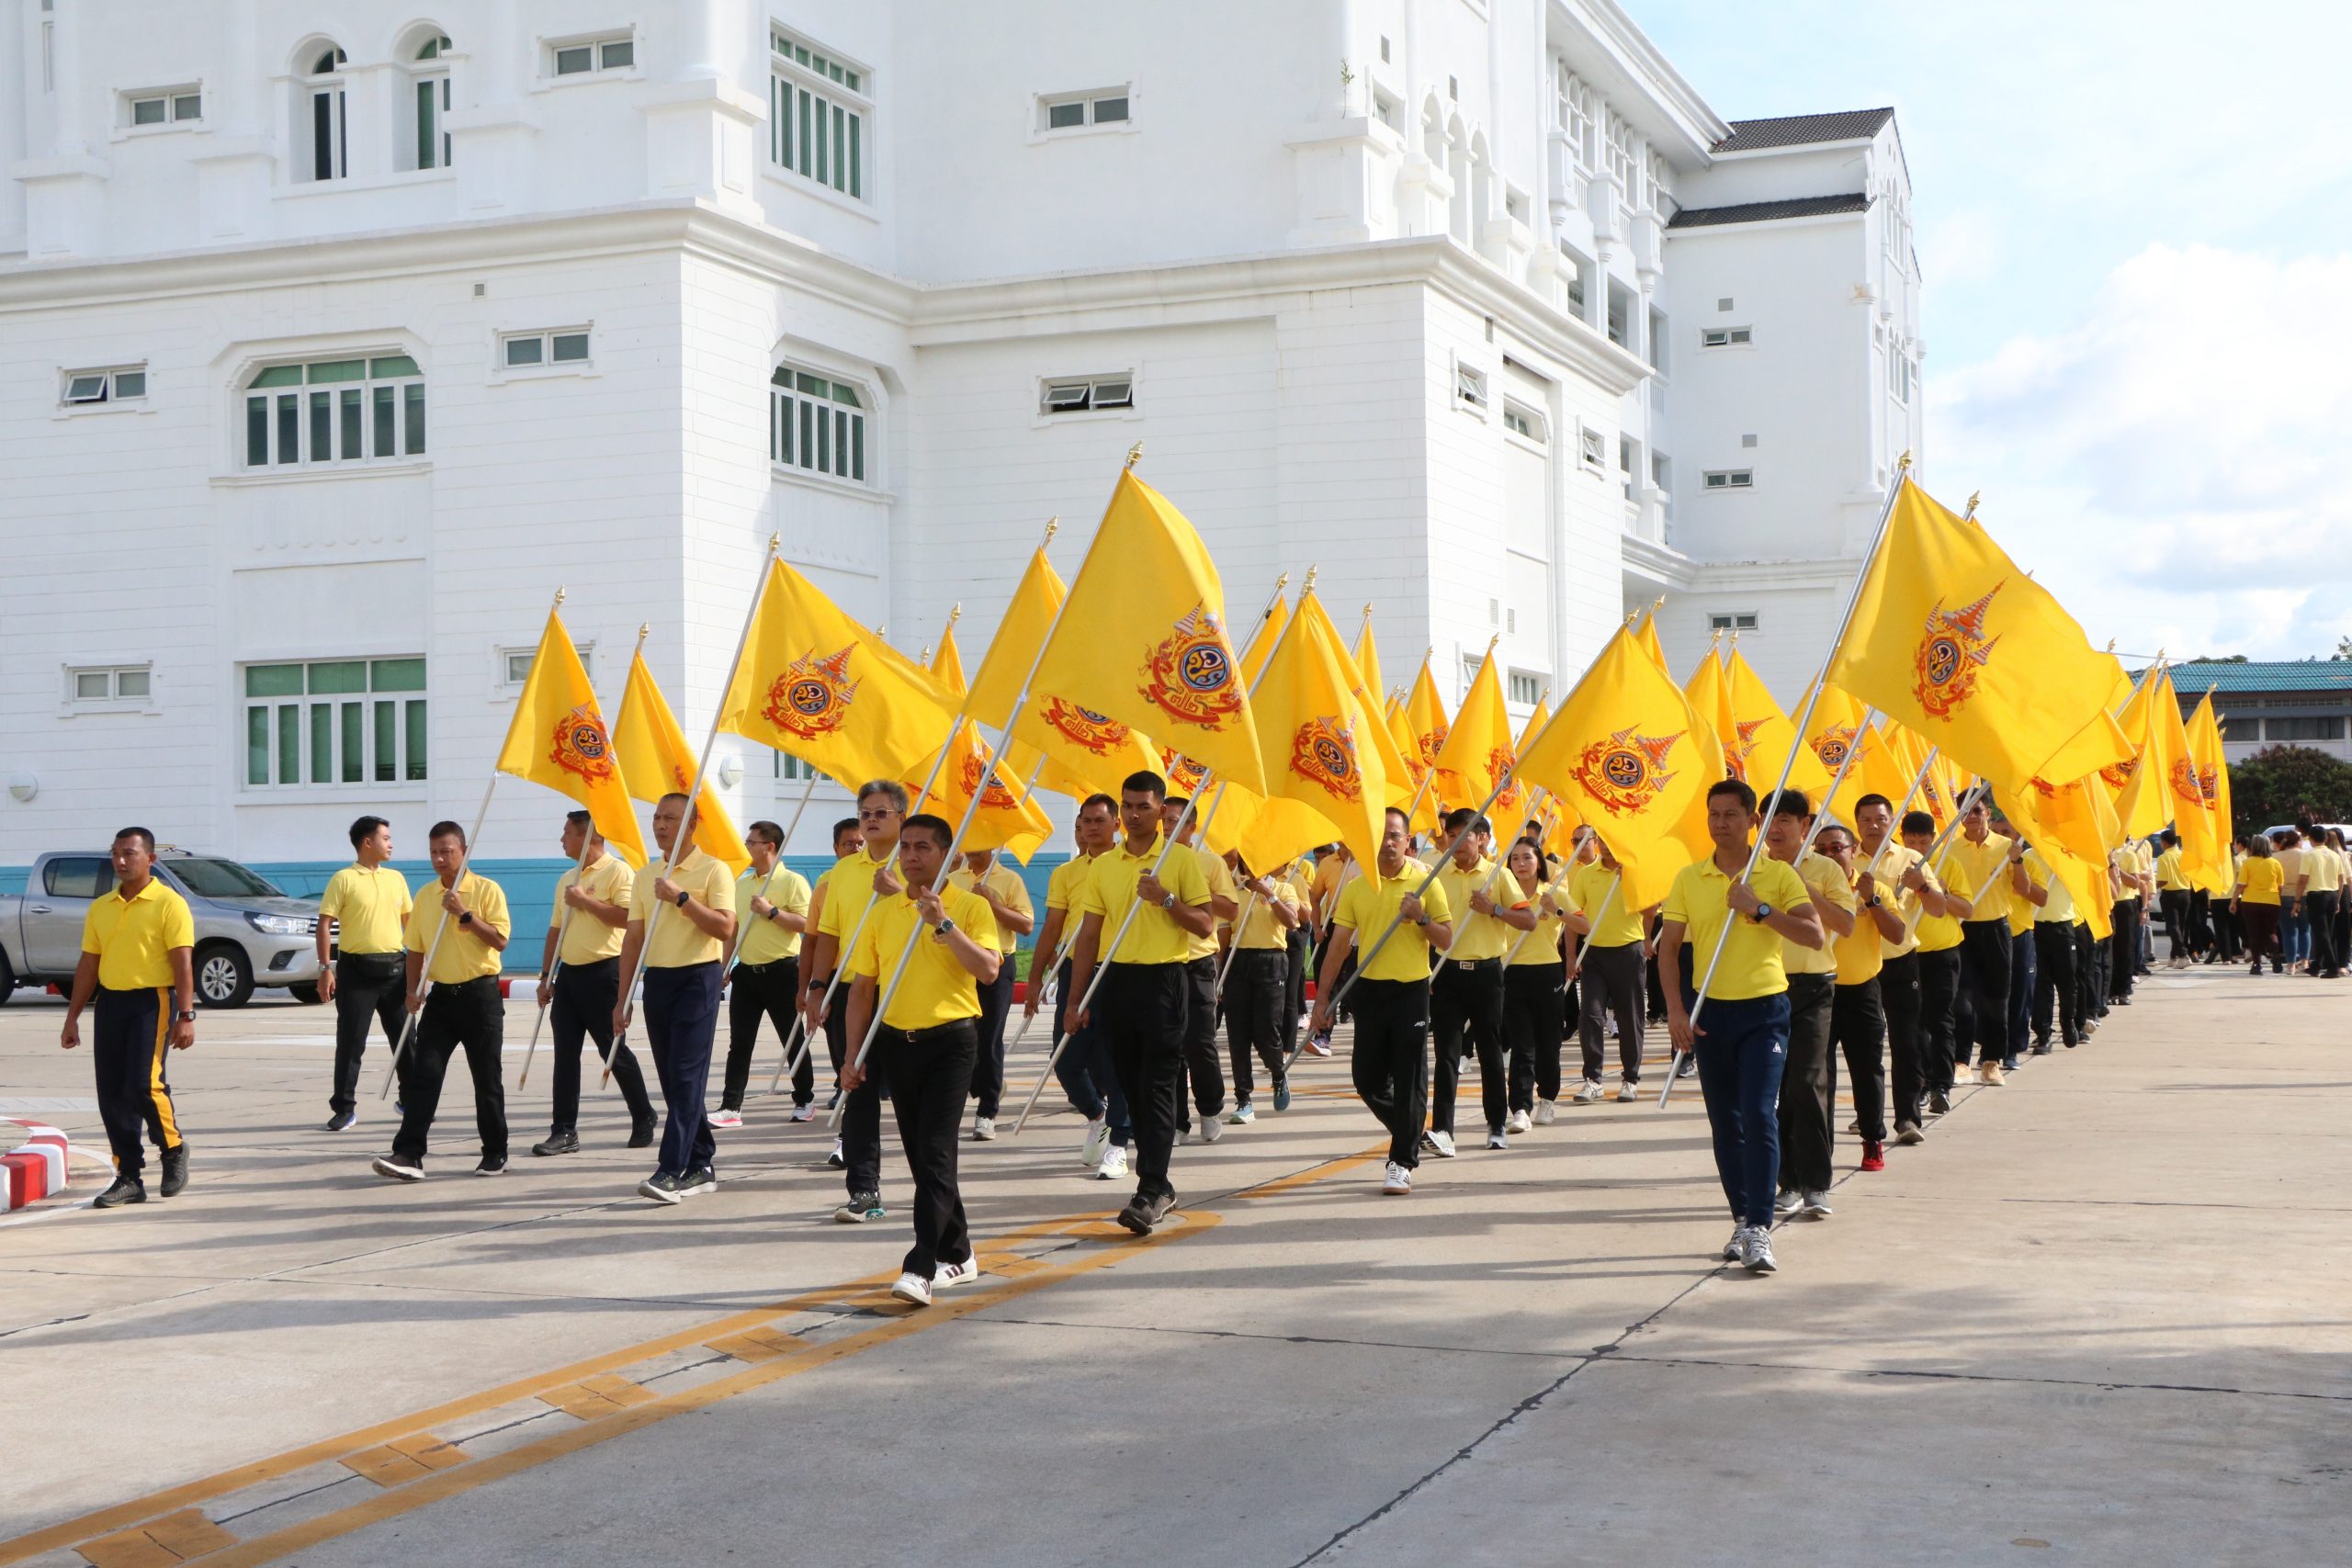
(882, 816)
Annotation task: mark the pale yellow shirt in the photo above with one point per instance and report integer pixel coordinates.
(1828, 884)
(587, 939)
(1006, 884)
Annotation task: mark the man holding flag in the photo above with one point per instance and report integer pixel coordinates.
(580, 982)
(462, 1007)
(679, 923)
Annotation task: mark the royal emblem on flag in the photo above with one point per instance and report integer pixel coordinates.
(1837, 741)
(1743, 743)
(1084, 726)
(1626, 770)
(811, 698)
(1430, 745)
(1190, 675)
(2198, 786)
(997, 797)
(1184, 776)
(1952, 650)
(1324, 750)
(2117, 774)
(581, 746)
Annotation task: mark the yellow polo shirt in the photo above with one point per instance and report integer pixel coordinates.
(936, 987)
(849, 888)
(1939, 933)
(764, 941)
(1218, 877)
(1476, 936)
(2125, 860)
(1821, 877)
(1592, 885)
(1109, 890)
(462, 956)
(1700, 903)
(368, 904)
(2325, 868)
(1366, 910)
(1861, 954)
(1261, 931)
(674, 942)
(1540, 945)
(2023, 911)
(2060, 909)
(2261, 881)
(133, 937)
(2168, 874)
(1329, 873)
(1063, 881)
(1006, 884)
(587, 939)
(1985, 867)
(1888, 867)
(1301, 877)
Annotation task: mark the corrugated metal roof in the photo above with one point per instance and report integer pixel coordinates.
(2277, 675)
(1797, 129)
(1764, 212)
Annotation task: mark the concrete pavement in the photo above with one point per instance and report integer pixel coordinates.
(2101, 1314)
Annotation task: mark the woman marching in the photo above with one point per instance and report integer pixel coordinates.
(1536, 983)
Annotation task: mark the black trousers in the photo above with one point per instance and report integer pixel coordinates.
(468, 1014)
(1808, 1085)
(755, 992)
(681, 1026)
(1257, 1007)
(1981, 1011)
(1140, 1010)
(2173, 904)
(369, 987)
(1467, 994)
(2122, 949)
(1346, 1010)
(1940, 1045)
(1899, 995)
(1857, 1022)
(1390, 1063)
(1296, 951)
(2319, 910)
(2053, 982)
(1535, 1000)
(862, 1107)
(988, 1061)
(1612, 981)
(931, 1076)
(582, 1009)
(1202, 1071)
(131, 1037)
(2090, 969)
(2229, 931)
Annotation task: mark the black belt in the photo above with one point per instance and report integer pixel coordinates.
(770, 964)
(916, 1036)
(1471, 965)
(393, 957)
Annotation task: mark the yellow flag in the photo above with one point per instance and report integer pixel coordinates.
(656, 761)
(1143, 639)
(816, 684)
(1710, 695)
(2212, 774)
(558, 739)
(1085, 753)
(2062, 821)
(1006, 818)
(1767, 738)
(947, 664)
(1425, 724)
(1840, 728)
(2140, 795)
(1479, 753)
(1325, 778)
(1619, 750)
(1948, 637)
(1647, 637)
(1367, 657)
(2100, 744)
(2187, 800)
(1262, 642)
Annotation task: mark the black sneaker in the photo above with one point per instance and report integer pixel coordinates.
(566, 1141)
(1143, 1214)
(491, 1165)
(395, 1168)
(698, 1180)
(859, 1208)
(175, 1171)
(662, 1187)
(1939, 1102)
(641, 1136)
(343, 1121)
(125, 1190)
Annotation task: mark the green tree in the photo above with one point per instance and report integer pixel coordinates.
(2282, 784)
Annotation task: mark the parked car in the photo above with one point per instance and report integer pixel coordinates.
(247, 931)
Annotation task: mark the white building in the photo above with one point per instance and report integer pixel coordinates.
(335, 334)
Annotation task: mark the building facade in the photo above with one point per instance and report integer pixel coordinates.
(335, 336)
(2304, 702)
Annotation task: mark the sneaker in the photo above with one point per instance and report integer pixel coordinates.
(1817, 1206)
(1546, 1112)
(1788, 1201)
(1874, 1155)
(912, 1289)
(640, 1135)
(834, 1103)
(1318, 1044)
(859, 1208)
(1518, 1121)
(1143, 1214)
(1098, 1133)
(662, 1187)
(1439, 1144)
(1628, 1091)
(834, 1159)
(1495, 1139)
(951, 1275)
(393, 1166)
(1282, 1094)
(698, 1181)
(984, 1129)
(1853, 1128)
(1114, 1164)
(1758, 1254)
(130, 1190)
(1907, 1134)
(564, 1143)
(175, 1170)
(726, 1120)
(1399, 1181)
(343, 1121)
(491, 1165)
(1991, 1073)
(1241, 1115)
(1690, 1068)
(2043, 1047)
(1586, 1093)
(1212, 1126)
(1939, 1101)
(1736, 1247)
(804, 1112)
(2009, 1064)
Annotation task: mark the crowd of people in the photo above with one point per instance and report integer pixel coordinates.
(1921, 960)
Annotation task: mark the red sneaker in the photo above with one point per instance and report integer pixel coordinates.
(1874, 1155)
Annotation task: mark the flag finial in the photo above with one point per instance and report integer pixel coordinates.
(1902, 463)
(1053, 526)
(776, 544)
(644, 630)
(1135, 454)
(957, 614)
(559, 594)
(1658, 603)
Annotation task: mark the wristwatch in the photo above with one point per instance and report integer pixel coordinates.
(1167, 900)
(186, 1015)
(939, 932)
(465, 916)
(682, 897)
(1875, 901)
(1763, 913)
(775, 912)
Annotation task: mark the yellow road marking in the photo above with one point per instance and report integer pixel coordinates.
(160, 1543)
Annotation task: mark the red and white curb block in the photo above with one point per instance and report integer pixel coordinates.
(35, 1168)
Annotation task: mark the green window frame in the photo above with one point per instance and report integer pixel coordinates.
(817, 111)
(319, 412)
(815, 423)
(327, 723)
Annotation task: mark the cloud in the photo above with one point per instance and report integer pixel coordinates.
(2170, 466)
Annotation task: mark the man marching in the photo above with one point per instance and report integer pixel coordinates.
(1082, 1066)
(836, 907)
(136, 947)
(1257, 987)
(682, 951)
(595, 893)
(463, 1007)
(1467, 995)
(361, 918)
(771, 912)
(1204, 1074)
(1008, 901)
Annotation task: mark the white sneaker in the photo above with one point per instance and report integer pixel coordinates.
(951, 1275)
(803, 1114)
(1098, 1133)
(1736, 1247)
(1242, 1115)
(1518, 1121)
(1788, 1203)
(1758, 1254)
(1587, 1092)
(1399, 1180)
(1545, 1111)
(984, 1128)
(1441, 1143)
(912, 1288)
(1628, 1091)
(1495, 1139)
(1212, 1126)
(1114, 1164)
(726, 1120)
(1815, 1206)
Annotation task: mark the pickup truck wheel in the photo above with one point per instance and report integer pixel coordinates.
(7, 978)
(307, 994)
(224, 975)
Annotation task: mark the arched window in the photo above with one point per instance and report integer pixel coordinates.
(431, 94)
(320, 114)
(335, 410)
(816, 422)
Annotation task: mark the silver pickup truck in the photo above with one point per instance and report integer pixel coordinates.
(247, 932)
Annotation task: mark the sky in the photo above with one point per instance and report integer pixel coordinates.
(2135, 232)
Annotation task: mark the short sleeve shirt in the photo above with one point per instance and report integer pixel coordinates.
(2170, 878)
(936, 988)
(1888, 867)
(1476, 936)
(671, 941)
(1591, 886)
(1821, 877)
(764, 941)
(1986, 868)
(1109, 890)
(1261, 931)
(2060, 906)
(1063, 881)
(133, 937)
(368, 904)
(1540, 945)
(1861, 953)
(586, 938)
(1366, 910)
(1699, 901)
(462, 954)
(1940, 933)
(2262, 880)
(1006, 884)
(2324, 867)
(1219, 878)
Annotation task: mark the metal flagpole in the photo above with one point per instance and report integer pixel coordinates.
(1167, 846)
(425, 974)
(1829, 657)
